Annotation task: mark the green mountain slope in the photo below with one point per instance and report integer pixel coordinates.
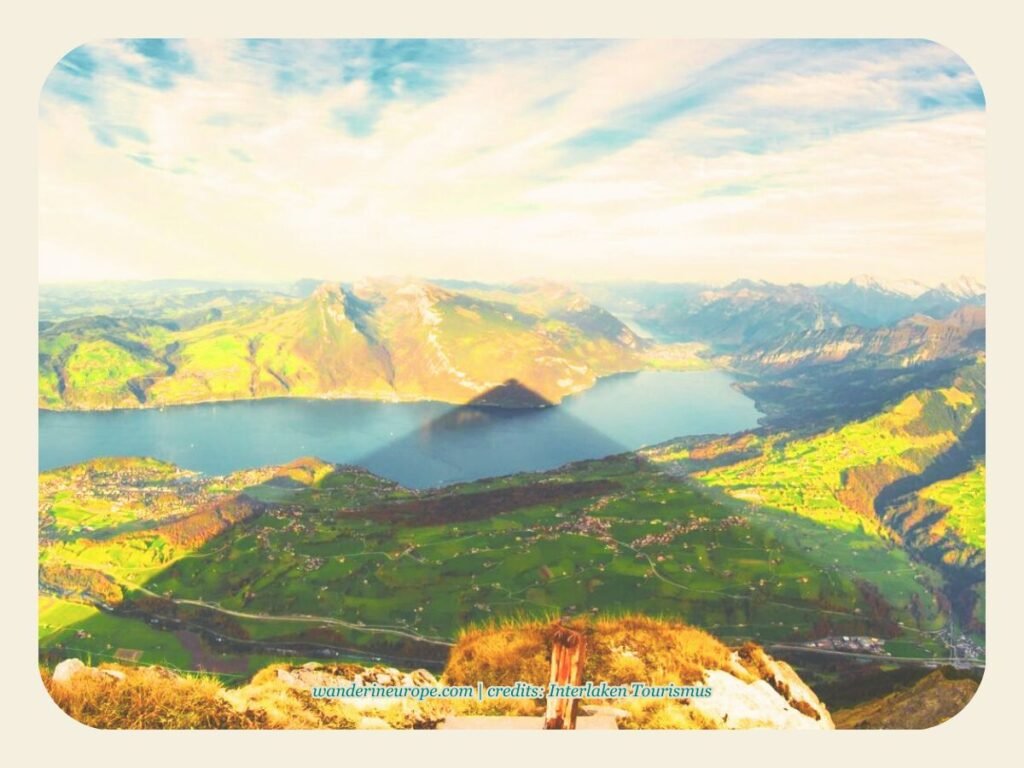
(313, 556)
(912, 475)
(383, 339)
(834, 477)
(964, 496)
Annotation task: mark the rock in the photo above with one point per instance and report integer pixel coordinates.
(735, 704)
(781, 677)
(368, 722)
(67, 669)
(422, 677)
(309, 677)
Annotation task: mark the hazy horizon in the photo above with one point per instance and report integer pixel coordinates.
(527, 280)
(790, 161)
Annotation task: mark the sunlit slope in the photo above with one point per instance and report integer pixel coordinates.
(109, 524)
(99, 362)
(964, 495)
(834, 477)
(382, 339)
(306, 348)
(933, 700)
(945, 518)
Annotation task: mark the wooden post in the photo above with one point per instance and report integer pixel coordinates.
(568, 655)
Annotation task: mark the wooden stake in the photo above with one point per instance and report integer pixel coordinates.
(568, 655)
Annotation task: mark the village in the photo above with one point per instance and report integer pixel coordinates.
(850, 644)
(963, 651)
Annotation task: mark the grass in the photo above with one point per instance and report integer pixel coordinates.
(149, 699)
(620, 650)
(930, 701)
(69, 629)
(388, 570)
(115, 696)
(833, 477)
(964, 496)
(328, 547)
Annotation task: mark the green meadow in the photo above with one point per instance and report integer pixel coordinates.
(964, 496)
(341, 559)
(833, 477)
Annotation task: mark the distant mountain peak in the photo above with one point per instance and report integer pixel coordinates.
(864, 281)
(327, 290)
(965, 287)
(903, 287)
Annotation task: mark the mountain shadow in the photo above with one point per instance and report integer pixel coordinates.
(511, 393)
(511, 420)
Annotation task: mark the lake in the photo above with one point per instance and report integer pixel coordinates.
(421, 444)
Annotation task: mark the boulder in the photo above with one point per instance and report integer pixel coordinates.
(67, 669)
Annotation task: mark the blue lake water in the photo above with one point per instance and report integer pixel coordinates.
(417, 444)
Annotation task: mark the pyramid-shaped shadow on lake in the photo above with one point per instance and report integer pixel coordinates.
(528, 431)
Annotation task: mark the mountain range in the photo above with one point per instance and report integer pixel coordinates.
(144, 345)
(747, 315)
(844, 533)
(382, 340)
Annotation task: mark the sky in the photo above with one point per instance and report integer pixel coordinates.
(669, 160)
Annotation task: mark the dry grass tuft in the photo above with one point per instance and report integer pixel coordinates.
(154, 698)
(620, 650)
(148, 698)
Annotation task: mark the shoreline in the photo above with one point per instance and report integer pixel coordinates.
(396, 400)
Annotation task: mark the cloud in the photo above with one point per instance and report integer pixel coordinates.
(501, 159)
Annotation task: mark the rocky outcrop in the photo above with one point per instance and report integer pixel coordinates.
(297, 685)
(776, 698)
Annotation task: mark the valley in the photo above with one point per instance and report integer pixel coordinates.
(336, 556)
(821, 493)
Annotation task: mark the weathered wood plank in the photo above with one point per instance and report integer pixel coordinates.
(568, 657)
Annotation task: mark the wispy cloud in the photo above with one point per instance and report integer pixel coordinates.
(500, 159)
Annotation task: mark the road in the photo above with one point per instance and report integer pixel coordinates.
(298, 617)
(978, 663)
